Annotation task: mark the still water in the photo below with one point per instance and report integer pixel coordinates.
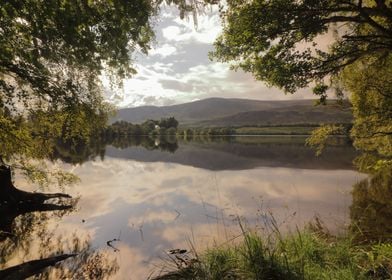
(135, 203)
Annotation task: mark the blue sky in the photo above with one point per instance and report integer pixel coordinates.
(178, 70)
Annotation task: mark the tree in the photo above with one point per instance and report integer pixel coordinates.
(369, 82)
(172, 122)
(276, 40)
(52, 52)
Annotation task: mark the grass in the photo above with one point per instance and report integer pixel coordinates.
(307, 254)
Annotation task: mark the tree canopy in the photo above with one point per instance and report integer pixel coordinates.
(369, 81)
(276, 40)
(52, 52)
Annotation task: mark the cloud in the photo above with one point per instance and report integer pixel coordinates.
(207, 29)
(178, 70)
(162, 67)
(171, 33)
(176, 85)
(164, 51)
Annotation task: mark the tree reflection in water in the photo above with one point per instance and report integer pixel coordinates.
(27, 238)
(371, 209)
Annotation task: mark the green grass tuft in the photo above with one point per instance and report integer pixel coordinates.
(301, 255)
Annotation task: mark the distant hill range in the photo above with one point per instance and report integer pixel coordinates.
(241, 112)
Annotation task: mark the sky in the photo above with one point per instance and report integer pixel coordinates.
(178, 70)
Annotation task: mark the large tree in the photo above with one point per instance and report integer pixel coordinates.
(52, 54)
(281, 42)
(276, 40)
(369, 82)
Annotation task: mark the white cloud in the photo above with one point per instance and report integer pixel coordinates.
(177, 70)
(207, 29)
(164, 51)
(162, 67)
(171, 33)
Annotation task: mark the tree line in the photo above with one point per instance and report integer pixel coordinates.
(165, 126)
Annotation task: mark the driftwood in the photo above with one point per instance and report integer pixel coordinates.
(31, 268)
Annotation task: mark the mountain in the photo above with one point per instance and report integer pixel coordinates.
(291, 115)
(236, 112)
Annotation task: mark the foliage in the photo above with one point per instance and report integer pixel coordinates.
(277, 40)
(53, 52)
(371, 163)
(166, 126)
(28, 142)
(369, 81)
(319, 136)
(168, 123)
(212, 131)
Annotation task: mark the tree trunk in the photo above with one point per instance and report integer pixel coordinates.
(14, 202)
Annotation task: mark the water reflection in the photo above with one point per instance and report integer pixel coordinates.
(29, 242)
(217, 153)
(154, 194)
(157, 206)
(371, 209)
(37, 243)
(240, 153)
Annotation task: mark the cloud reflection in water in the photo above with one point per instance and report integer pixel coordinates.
(155, 206)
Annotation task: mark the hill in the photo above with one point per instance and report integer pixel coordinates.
(237, 112)
(293, 115)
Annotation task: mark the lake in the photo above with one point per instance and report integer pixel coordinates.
(138, 200)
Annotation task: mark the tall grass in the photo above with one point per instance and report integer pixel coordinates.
(307, 254)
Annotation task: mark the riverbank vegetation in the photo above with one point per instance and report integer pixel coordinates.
(308, 254)
(362, 251)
